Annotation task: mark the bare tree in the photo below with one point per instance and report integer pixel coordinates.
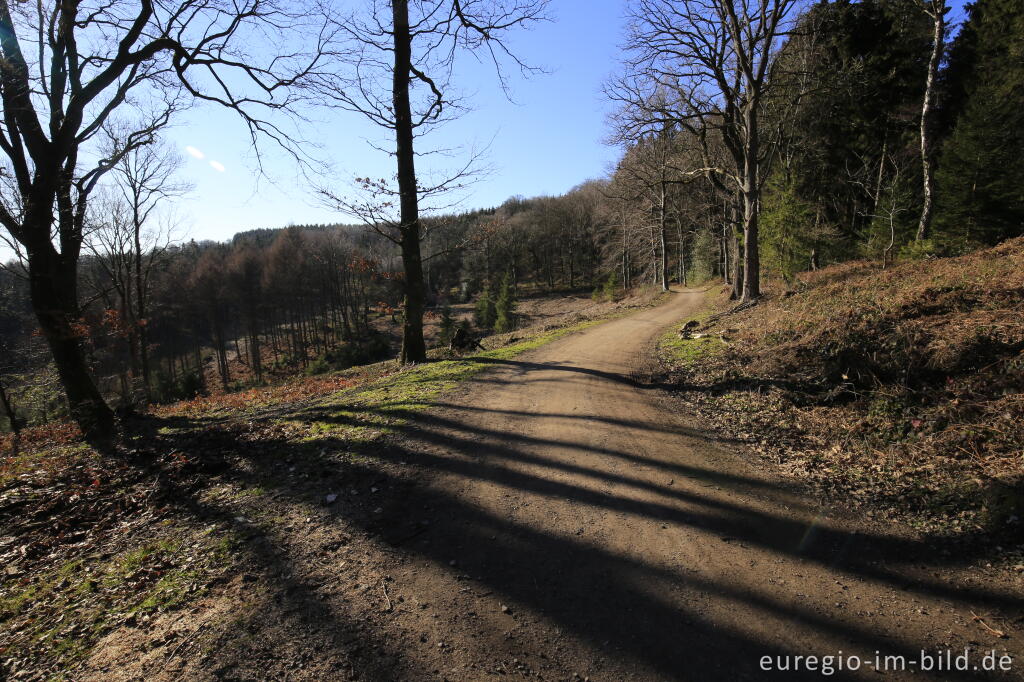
(402, 56)
(705, 65)
(936, 11)
(96, 82)
(886, 191)
(647, 173)
(132, 238)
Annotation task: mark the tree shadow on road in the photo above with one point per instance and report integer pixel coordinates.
(656, 618)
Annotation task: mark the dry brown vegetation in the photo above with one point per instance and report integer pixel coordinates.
(901, 387)
(93, 544)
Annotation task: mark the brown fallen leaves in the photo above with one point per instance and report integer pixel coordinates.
(901, 387)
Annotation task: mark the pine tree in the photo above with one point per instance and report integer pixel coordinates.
(982, 197)
(485, 314)
(857, 70)
(611, 286)
(447, 325)
(787, 228)
(505, 308)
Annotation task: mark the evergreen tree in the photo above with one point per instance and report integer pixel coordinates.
(485, 315)
(611, 286)
(447, 325)
(857, 71)
(505, 307)
(786, 229)
(982, 196)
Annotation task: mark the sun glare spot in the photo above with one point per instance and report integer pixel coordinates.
(195, 152)
(217, 166)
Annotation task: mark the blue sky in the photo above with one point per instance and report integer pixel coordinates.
(545, 141)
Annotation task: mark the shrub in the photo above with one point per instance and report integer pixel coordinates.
(186, 386)
(505, 307)
(373, 348)
(447, 326)
(486, 314)
(920, 250)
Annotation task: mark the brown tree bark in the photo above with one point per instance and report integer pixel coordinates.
(139, 334)
(738, 259)
(751, 197)
(53, 287)
(9, 412)
(413, 347)
(663, 234)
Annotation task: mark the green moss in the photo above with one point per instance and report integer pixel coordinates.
(93, 593)
(13, 605)
(391, 400)
(687, 352)
(223, 550)
(169, 591)
(255, 491)
(677, 351)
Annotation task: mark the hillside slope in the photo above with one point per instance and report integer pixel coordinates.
(126, 546)
(901, 388)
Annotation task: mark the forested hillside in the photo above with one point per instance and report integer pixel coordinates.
(738, 394)
(894, 390)
(849, 124)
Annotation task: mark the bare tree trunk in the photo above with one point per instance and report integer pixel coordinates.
(139, 336)
(54, 293)
(221, 348)
(625, 259)
(737, 265)
(814, 248)
(663, 224)
(751, 193)
(413, 347)
(878, 183)
(724, 241)
(937, 12)
(738, 260)
(682, 253)
(12, 417)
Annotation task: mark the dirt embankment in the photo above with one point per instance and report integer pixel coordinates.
(899, 389)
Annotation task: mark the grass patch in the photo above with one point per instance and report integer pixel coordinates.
(361, 414)
(678, 352)
(51, 620)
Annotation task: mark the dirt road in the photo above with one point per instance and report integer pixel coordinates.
(560, 518)
(595, 531)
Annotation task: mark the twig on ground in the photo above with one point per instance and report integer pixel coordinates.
(183, 642)
(998, 633)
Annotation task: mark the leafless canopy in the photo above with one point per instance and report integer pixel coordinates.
(701, 65)
(440, 31)
(85, 83)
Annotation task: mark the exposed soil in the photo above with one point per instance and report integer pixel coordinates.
(900, 390)
(547, 310)
(559, 517)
